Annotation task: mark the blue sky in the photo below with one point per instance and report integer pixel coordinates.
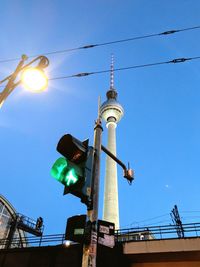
(159, 133)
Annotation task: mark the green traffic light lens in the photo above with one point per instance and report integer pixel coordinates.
(71, 177)
(58, 169)
(65, 172)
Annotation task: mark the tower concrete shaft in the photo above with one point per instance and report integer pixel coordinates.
(111, 206)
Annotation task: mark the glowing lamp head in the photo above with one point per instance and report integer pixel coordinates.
(67, 243)
(34, 79)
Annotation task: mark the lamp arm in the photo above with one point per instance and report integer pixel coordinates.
(11, 85)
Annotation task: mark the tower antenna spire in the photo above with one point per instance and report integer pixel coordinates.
(112, 93)
(112, 73)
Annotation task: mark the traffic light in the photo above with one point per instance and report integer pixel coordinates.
(78, 229)
(74, 170)
(75, 228)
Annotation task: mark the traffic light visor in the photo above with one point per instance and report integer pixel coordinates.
(72, 149)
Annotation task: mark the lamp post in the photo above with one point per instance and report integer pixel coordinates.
(25, 70)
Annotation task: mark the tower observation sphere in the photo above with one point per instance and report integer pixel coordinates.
(112, 112)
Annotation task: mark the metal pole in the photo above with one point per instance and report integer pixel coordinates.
(90, 251)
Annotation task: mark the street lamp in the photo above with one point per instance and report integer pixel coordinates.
(33, 78)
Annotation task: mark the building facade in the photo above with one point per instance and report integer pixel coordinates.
(7, 214)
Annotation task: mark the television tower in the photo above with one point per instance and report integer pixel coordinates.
(111, 111)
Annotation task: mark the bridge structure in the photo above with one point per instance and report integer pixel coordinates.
(138, 247)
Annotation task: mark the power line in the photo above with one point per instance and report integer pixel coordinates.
(186, 217)
(165, 33)
(84, 74)
(146, 220)
(136, 226)
(153, 218)
(156, 223)
(193, 211)
(148, 36)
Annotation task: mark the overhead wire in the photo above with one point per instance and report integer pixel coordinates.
(153, 218)
(146, 220)
(88, 46)
(193, 211)
(157, 223)
(186, 217)
(84, 74)
(136, 224)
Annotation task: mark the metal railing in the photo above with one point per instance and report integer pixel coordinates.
(122, 235)
(157, 232)
(34, 241)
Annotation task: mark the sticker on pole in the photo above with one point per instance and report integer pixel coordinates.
(106, 231)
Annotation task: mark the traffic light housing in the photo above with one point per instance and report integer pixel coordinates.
(75, 228)
(74, 170)
(78, 229)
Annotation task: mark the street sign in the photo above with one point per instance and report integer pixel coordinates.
(106, 231)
